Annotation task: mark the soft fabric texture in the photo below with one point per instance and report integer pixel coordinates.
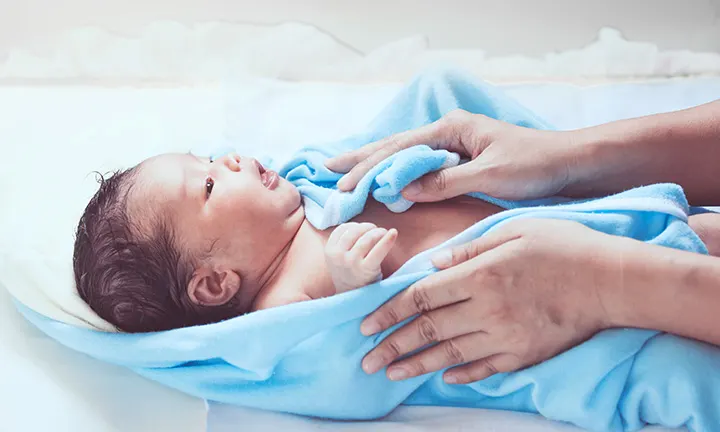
(305, 358)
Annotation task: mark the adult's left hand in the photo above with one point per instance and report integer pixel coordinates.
(510, 299)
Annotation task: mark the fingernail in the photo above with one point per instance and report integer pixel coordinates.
(397, 374)
(442, 259)
(451, 379)
(372, 364)
(412, 189)
(369, 328)
(342, 182)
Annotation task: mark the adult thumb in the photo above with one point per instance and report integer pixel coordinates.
(451, 257)
(444, 184)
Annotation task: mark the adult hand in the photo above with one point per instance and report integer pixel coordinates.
(508, 161)
(510, 299)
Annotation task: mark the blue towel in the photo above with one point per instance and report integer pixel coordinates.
(305, 358)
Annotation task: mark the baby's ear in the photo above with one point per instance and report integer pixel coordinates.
(211, 287)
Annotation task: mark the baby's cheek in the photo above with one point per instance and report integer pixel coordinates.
(239, 197)
(292, 198)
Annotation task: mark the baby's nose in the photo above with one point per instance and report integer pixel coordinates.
(232, 161)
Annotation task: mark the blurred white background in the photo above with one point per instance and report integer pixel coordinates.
(502, 40)
(500, 27)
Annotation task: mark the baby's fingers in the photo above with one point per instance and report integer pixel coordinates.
(367, 241)
(345, 236)
(378, 253)
(337, 234)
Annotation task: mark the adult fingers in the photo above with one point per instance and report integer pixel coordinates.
(451, 325)
(440, 134)
(465, 252)
(447, 183)
(483, 368)
(437, 290)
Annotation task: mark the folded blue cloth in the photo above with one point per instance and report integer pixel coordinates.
(305, 358)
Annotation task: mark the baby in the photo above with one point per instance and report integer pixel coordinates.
(180, 240)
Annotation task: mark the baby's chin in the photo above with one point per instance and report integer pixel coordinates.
(295, 199)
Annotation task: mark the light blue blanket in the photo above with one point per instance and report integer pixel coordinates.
(305, 358)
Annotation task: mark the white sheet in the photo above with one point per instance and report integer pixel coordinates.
(53, 137)
(224, 418)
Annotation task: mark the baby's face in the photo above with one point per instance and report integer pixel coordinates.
(233, 208)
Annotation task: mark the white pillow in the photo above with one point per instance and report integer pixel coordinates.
(52, 139)
(56, 138)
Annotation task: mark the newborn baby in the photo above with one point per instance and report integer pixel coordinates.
(180, 240)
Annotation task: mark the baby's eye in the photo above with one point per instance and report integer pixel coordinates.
(209, 183)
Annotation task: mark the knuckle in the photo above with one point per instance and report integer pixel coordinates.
(394, 143)
(351, 257)
(459, 123)
(389, 318)
(427, 329)
(367, 226)
(456, 116)
(437, 181)
(392, 349)
(488, 365)
(378, 233)
(463, 253)
(420, 299)
(417, 368)
(453, 353)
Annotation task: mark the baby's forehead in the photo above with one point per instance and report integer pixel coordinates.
(163, 171)
(158, 186)
(165, 161)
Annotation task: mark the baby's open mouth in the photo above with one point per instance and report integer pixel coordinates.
(269, 178)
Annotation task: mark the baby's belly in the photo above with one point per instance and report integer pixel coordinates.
(425, 225)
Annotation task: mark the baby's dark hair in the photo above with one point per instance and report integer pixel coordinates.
(133, 275)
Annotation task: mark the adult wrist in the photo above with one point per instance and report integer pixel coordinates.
(597, 162)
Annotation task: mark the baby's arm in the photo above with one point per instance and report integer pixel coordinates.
(354, 253)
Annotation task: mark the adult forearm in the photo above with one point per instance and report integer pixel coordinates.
(667, 289)
(681, 147)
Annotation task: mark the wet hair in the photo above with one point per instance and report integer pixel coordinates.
(133, 275)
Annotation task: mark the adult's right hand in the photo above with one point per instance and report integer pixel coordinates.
(508, 161)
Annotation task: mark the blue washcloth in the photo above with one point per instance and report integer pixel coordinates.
(305, 358)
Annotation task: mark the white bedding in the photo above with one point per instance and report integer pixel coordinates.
(52, 137)
(224, 418)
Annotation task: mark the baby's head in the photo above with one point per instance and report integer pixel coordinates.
(179, 240)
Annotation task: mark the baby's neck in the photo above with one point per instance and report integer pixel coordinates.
(299, 272)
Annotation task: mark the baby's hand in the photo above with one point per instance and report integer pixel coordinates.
(354, 253)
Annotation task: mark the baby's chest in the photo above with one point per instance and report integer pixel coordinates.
(425, 225)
